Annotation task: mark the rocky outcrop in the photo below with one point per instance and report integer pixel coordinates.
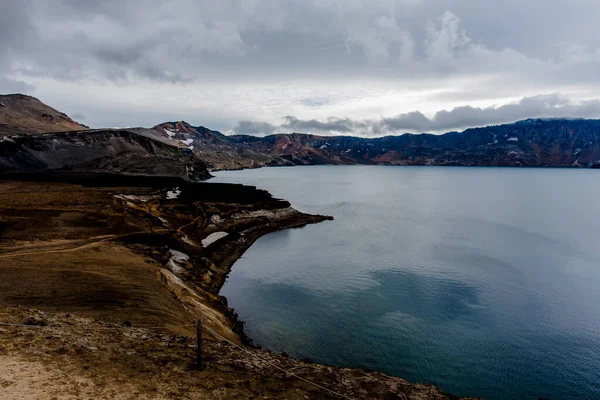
(215, 149)
(112, 151)
(28, 114)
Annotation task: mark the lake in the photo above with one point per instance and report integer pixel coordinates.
(482, 281)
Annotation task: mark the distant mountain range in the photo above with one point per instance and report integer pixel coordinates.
(176, 148)
(532, 142)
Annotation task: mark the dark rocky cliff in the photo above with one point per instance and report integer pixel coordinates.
(35, 138)
(98, 151)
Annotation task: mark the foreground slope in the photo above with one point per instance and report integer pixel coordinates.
(77, 357)
(122, 247)
(101, 286)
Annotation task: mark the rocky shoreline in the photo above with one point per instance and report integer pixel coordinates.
(151, 251)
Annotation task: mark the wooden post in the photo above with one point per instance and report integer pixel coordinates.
(199, 363)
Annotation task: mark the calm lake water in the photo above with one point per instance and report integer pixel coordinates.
(482, 281)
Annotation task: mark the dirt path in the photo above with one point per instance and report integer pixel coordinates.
(107, 238)
(35, 253)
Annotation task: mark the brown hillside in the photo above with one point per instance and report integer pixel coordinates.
(28, 114)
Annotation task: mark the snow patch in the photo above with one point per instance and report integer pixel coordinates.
(173, 194)
(213, 237)
(187, 142)
(513, 139)
(170, 133)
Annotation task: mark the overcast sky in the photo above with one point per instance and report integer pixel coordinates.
(369, 67)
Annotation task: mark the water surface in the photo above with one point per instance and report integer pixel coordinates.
(482, 281)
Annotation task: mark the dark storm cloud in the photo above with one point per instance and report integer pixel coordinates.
(545, 106)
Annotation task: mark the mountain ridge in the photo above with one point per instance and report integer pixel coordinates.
(533, 142)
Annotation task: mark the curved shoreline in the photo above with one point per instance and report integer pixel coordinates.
(155, 272)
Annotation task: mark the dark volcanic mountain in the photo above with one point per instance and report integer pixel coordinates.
(80, 151)
(113, 151)
(26, 113)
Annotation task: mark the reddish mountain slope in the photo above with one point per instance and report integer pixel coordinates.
(19, 112)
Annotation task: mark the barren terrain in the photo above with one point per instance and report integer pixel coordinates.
(104, 285)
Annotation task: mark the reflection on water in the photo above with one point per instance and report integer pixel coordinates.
(483, 281)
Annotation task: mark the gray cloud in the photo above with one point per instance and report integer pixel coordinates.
(543, 106)
(188, 40)
(15, 32)
(253, 128)
(8, 85)
(331, 125)
(410, 45)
